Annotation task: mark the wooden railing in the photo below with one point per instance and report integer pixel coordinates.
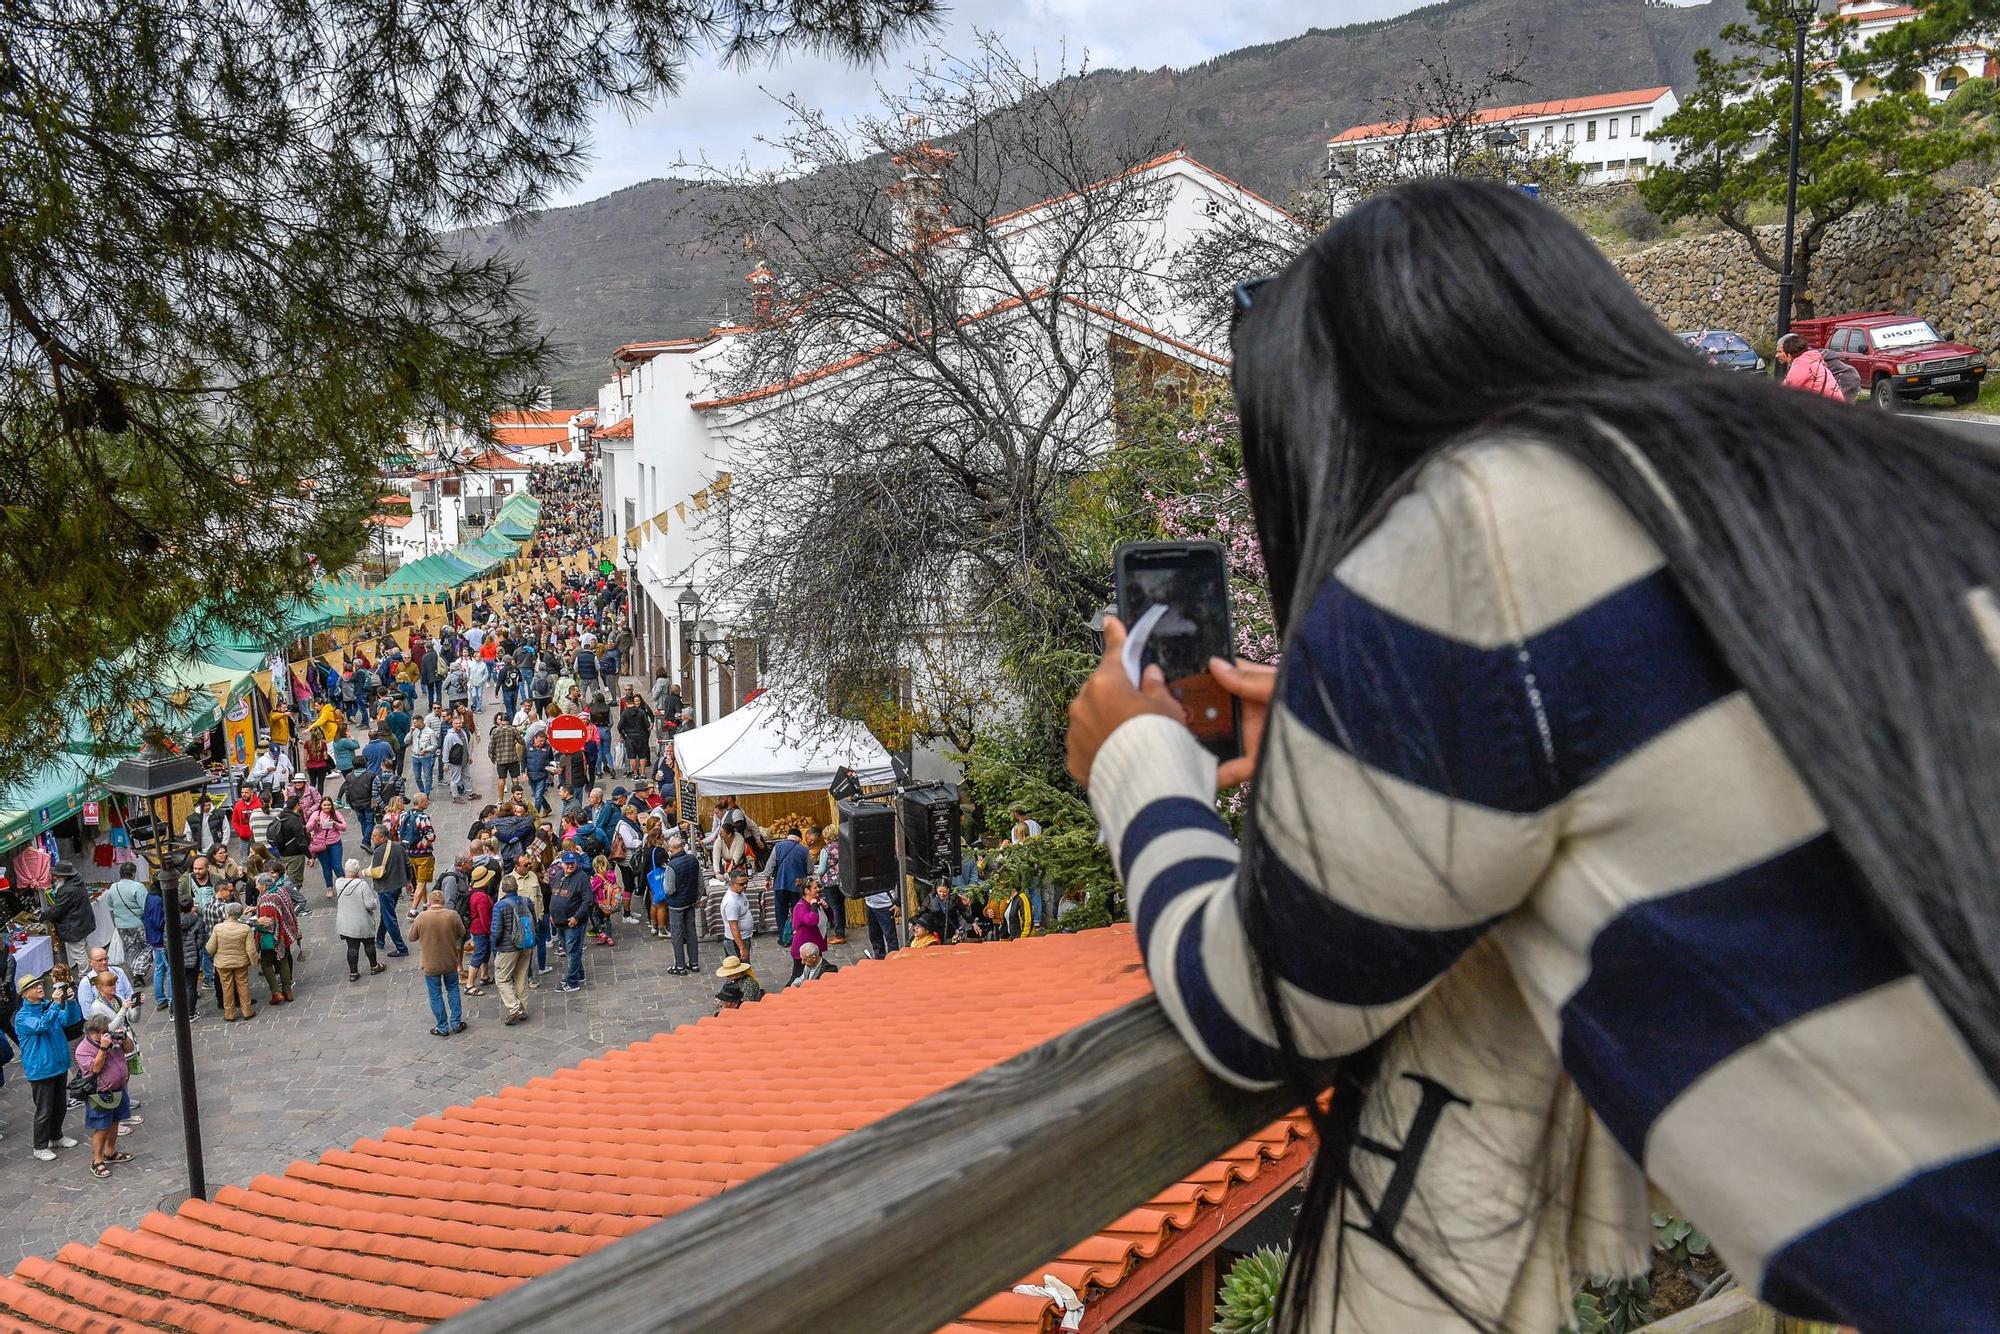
(901, 1227)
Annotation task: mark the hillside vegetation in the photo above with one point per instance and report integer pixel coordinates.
(628, 266)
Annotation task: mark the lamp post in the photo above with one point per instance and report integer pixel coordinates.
(689, 603)
(632, 607)
(157, 774)
(1802, 14)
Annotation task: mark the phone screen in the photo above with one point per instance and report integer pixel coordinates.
(1189, 580)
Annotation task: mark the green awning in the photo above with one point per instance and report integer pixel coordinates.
(45, 799)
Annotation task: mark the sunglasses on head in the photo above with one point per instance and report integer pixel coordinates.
(1243, 298)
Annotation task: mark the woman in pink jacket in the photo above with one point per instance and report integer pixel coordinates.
(810, 921)
(1807, 369)
(323, 830)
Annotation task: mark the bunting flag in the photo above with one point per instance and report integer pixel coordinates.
(631, 537)
(645, 531)
(721, 484)
(660, 522)
(680, 512)
(701, 501)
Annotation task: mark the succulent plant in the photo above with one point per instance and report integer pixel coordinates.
(1249, 1300)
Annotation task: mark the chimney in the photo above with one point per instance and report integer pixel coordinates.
(760, 280)
(918, 197)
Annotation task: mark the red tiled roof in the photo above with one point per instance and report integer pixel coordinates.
(1121, 1267)
(535, 417)
(620, 430)
(389, 520)
(647, 351)
(1562, 106)
(410, 1228)
(519, 436)
(493, 460)
(394, 498)
(817, 373)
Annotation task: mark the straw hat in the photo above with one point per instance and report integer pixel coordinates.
(732, 967)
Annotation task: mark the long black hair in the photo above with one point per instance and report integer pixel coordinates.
(1845, 562)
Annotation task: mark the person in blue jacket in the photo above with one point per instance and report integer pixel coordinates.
(46, 1009)
(787, 865)
(155, 921)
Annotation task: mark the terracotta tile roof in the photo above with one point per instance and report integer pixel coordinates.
(409, 1228)
(621, 430)
(1562, 106)
(518, 436)
(389, 520)
(1119, 1269)
(535, 417)
(832, 368)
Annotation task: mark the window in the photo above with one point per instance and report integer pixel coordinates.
(1569, 133)
(1590, 133)
(1636, 121)
(1548, 133)
(1611, 128)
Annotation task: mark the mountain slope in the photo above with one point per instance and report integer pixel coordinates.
(626, 267)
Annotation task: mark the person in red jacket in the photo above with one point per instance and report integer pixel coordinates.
(239, 816)
(1807, 370)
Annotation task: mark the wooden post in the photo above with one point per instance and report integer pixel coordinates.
(1198, 1296)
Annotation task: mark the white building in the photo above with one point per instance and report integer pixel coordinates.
(1604, 133)
(667, 426)
(1872, 18)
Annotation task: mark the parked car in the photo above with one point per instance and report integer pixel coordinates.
(1899, 357)
(1725, 348)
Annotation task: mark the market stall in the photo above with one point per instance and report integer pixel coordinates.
(776, 756)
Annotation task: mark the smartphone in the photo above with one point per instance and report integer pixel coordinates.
(1191, 580)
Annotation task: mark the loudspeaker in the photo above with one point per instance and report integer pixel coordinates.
(867, 849)
(930, 832)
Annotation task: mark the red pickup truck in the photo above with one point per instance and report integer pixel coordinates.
(1897, 356)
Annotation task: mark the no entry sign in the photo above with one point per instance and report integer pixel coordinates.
(567, 733)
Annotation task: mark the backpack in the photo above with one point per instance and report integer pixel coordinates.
(388, 786)
(456, 887)
(456, 755)
(1843, 375)
(523, 937)
(360, 790)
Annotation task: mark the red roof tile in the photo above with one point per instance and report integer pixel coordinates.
(518, 436)
(818, 373)
(1562, 106)
(401, 1231)
(621, 430)
(535, 417)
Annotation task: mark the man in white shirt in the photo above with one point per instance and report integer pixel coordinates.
(1024, 829)
(737, 928)
(271, 770)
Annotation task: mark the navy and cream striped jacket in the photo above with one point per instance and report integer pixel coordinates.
(1502, 716)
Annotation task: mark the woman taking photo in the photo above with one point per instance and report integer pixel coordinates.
(1626, 803)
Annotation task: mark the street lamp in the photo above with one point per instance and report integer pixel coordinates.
(157, 774)
(689, 603)
(1802, 13)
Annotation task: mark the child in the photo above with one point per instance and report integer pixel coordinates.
(605, 890)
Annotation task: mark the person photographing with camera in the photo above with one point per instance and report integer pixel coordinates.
(103, 1069)
(48, 1006)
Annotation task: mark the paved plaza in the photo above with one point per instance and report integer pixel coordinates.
(342, 1063)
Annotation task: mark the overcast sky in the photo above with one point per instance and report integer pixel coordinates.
(721, 112)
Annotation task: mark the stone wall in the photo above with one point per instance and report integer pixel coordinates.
(1941, 262)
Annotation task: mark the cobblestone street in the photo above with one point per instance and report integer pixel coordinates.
(344, 1062)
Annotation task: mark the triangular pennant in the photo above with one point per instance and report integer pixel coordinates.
(680, 511)
(721, 484)
(701, 500)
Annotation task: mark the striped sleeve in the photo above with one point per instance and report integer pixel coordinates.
(1409, 796)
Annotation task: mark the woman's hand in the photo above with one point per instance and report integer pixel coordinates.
(1252, 683)
(1108, 701)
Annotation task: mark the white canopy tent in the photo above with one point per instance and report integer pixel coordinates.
(770, 745)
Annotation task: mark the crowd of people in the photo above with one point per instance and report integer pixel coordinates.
(572, 851)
